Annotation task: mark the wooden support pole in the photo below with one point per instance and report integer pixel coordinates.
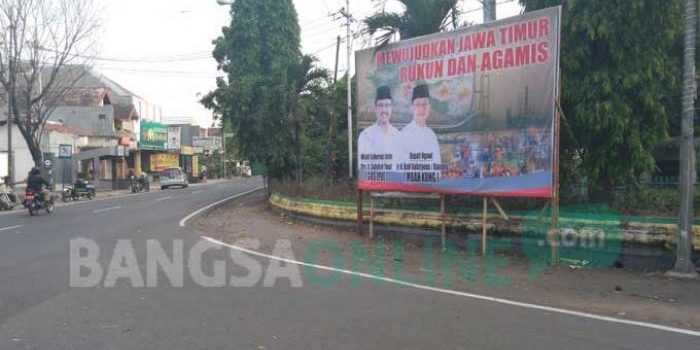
(358, 223)
(554, 241)
(442, 219)
(483, 228)
(371, 215)
(500, 210)
(546, 205)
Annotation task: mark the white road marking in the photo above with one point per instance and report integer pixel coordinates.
(164, 198)
(98, 199)
(467, 295)
(184, 220)
(197, 191)
(10, 227)
(106, 209)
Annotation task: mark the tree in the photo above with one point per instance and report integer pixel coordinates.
(39, 40)
(420, 17)
(256, 51)
(308, 82)
(620, 75)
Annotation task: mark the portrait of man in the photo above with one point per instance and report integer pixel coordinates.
(381, 141)
(417, 137)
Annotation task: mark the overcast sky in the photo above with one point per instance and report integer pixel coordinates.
(161, 49)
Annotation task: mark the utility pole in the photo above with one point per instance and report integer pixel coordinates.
(10, 158)
(10, 111)
(332, 125)
(684, 264)
(350, 156)
(223, 150)
(489, 10)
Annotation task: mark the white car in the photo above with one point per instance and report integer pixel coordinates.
(173, 177)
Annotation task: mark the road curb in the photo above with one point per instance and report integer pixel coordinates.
(625, 230)
(215, 205)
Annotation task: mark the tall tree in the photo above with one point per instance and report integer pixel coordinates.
(619, 73)
(419, 17)
(256, 51)
(308, 82)
(39, 40)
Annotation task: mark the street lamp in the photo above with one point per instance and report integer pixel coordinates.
(224, 2)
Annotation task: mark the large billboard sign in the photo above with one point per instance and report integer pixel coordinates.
(162, 161)
(153, 136)
(210, 143)
(468, 111)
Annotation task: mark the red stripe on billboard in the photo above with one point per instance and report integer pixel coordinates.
(539, 192)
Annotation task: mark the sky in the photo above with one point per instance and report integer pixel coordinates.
(161, 49)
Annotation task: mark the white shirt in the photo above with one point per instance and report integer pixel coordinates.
(374, 143)
(420, 139)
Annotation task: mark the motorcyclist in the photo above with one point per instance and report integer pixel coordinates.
(36, 183)
(80, 182)
(144, 181)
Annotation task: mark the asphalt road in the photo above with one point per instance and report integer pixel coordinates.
(39, 309)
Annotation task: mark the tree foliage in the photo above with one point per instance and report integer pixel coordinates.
(620, 73)
(420, 17)
(308, 86)
(257, 51)
(39, 41)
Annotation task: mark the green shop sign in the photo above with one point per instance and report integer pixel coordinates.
(153, 136)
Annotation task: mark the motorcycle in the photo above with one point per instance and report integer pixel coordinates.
(8, 198)
(140, 184)
(35, 202)
(79, 189)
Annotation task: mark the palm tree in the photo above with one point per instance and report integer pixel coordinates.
(420, 17)
(307, 80)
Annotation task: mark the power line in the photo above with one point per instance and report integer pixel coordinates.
(329, 31)
(327, 47)
(324, 29)
(317, 25)
(482, 7)
(315, 20)
(160, 72)
(194, 56)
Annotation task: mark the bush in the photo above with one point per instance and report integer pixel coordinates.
(650, 201)
(316, 188)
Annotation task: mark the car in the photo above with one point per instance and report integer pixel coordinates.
(173, 177)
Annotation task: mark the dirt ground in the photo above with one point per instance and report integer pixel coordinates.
(638, 295)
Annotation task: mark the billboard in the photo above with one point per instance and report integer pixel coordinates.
(210, 143)
(162, 161)
(174, 133)
(467, 111)
(153, 136)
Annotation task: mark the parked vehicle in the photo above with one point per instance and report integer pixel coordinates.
(81, 188)
(139, 184)
(35, 202)
(8, 198)
(173, 177)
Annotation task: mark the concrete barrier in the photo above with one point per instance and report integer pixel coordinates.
(622, 229)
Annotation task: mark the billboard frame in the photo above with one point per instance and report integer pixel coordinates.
(552, 200)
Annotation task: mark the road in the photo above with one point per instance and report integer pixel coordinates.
(39, 309)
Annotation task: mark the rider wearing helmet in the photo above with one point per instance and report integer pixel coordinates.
(36, 183)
